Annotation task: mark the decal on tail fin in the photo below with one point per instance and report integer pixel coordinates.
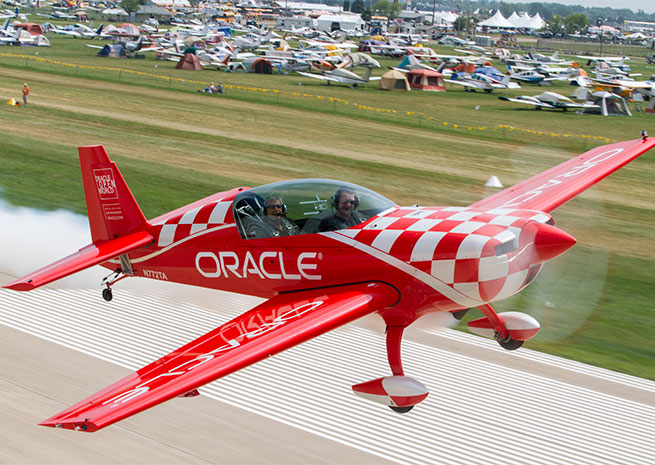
(112, 209)
(117, 223)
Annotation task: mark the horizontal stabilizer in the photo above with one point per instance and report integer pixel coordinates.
(92, 254)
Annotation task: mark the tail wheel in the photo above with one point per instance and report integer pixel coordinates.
(459, 314)
(107, 294)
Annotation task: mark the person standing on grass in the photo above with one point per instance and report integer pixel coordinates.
(26, 92)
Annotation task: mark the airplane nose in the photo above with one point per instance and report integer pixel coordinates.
(549, 241)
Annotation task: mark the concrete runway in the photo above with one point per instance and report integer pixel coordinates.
(486, 405)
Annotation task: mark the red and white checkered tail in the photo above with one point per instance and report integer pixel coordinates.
(112, 209)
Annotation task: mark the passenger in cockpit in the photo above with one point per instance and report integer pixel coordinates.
(274, 222)
(345, 203)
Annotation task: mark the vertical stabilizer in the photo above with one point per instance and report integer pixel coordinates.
(112, 209)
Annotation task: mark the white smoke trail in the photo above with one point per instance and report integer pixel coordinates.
(31, 239)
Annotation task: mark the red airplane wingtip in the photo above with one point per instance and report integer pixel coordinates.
(85, 426)
(20, 286)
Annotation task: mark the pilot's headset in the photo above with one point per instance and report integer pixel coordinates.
(277, 197)
(337, 195)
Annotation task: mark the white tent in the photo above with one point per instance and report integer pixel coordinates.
(176, 3)
(443, 17)
(345, 22)
(536, 22)
(115, 12)
(524, 21)
(515, 19)
(497, 21)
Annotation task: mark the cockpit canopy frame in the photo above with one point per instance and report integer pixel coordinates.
(307, 202)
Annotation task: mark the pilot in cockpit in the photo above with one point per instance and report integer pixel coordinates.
(274, 222)
(345, 203)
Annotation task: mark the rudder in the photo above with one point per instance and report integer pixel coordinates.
(113, 212)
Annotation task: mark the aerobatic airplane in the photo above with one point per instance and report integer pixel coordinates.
(401, 262)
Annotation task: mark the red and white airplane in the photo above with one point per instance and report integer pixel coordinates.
(401, 262)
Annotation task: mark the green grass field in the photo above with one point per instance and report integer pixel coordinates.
(175, 145)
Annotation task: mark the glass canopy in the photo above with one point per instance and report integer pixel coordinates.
(306, 203)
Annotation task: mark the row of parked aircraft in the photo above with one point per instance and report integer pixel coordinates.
(328, 57)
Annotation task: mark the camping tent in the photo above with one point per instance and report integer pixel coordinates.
(33, 28)
(609, 104)
(651, 106)
(112, 51)
(129, 29)
(426, 79)
(189, 61)
(261, 66)
(394, 80)
(41, 41)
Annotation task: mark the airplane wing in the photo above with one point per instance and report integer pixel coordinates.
(462, 83)
(527, 102)
(552, 188)
(93, 46)
(319, 76)
(273, 326)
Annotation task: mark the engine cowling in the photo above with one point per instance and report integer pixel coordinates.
(393, 391)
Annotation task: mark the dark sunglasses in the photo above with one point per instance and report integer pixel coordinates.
(275, 206)
(349, 202)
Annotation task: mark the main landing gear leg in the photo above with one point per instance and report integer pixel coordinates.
(501, 335)
(398, 392)
(109, 281)
(394, 340)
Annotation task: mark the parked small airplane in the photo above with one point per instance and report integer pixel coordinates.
(251, 41)
(626, 86)
(550, 100)
(343, 76)
(399, 262)
(483, 82)
(539, 59)
(525, 74)
(78, 30)
(58, 15)
(614, 62)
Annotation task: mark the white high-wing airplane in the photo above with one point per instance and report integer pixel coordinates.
(343, 76)
(625, 84)
(550, 100)
(8, 36)
(539, 59)
(251, 41)
(555, 73)
(78, 30)
(483, 82)
(615, 61)
(527, 74)
(58, 15)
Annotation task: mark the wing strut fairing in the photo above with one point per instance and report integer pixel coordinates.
(273, 326)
